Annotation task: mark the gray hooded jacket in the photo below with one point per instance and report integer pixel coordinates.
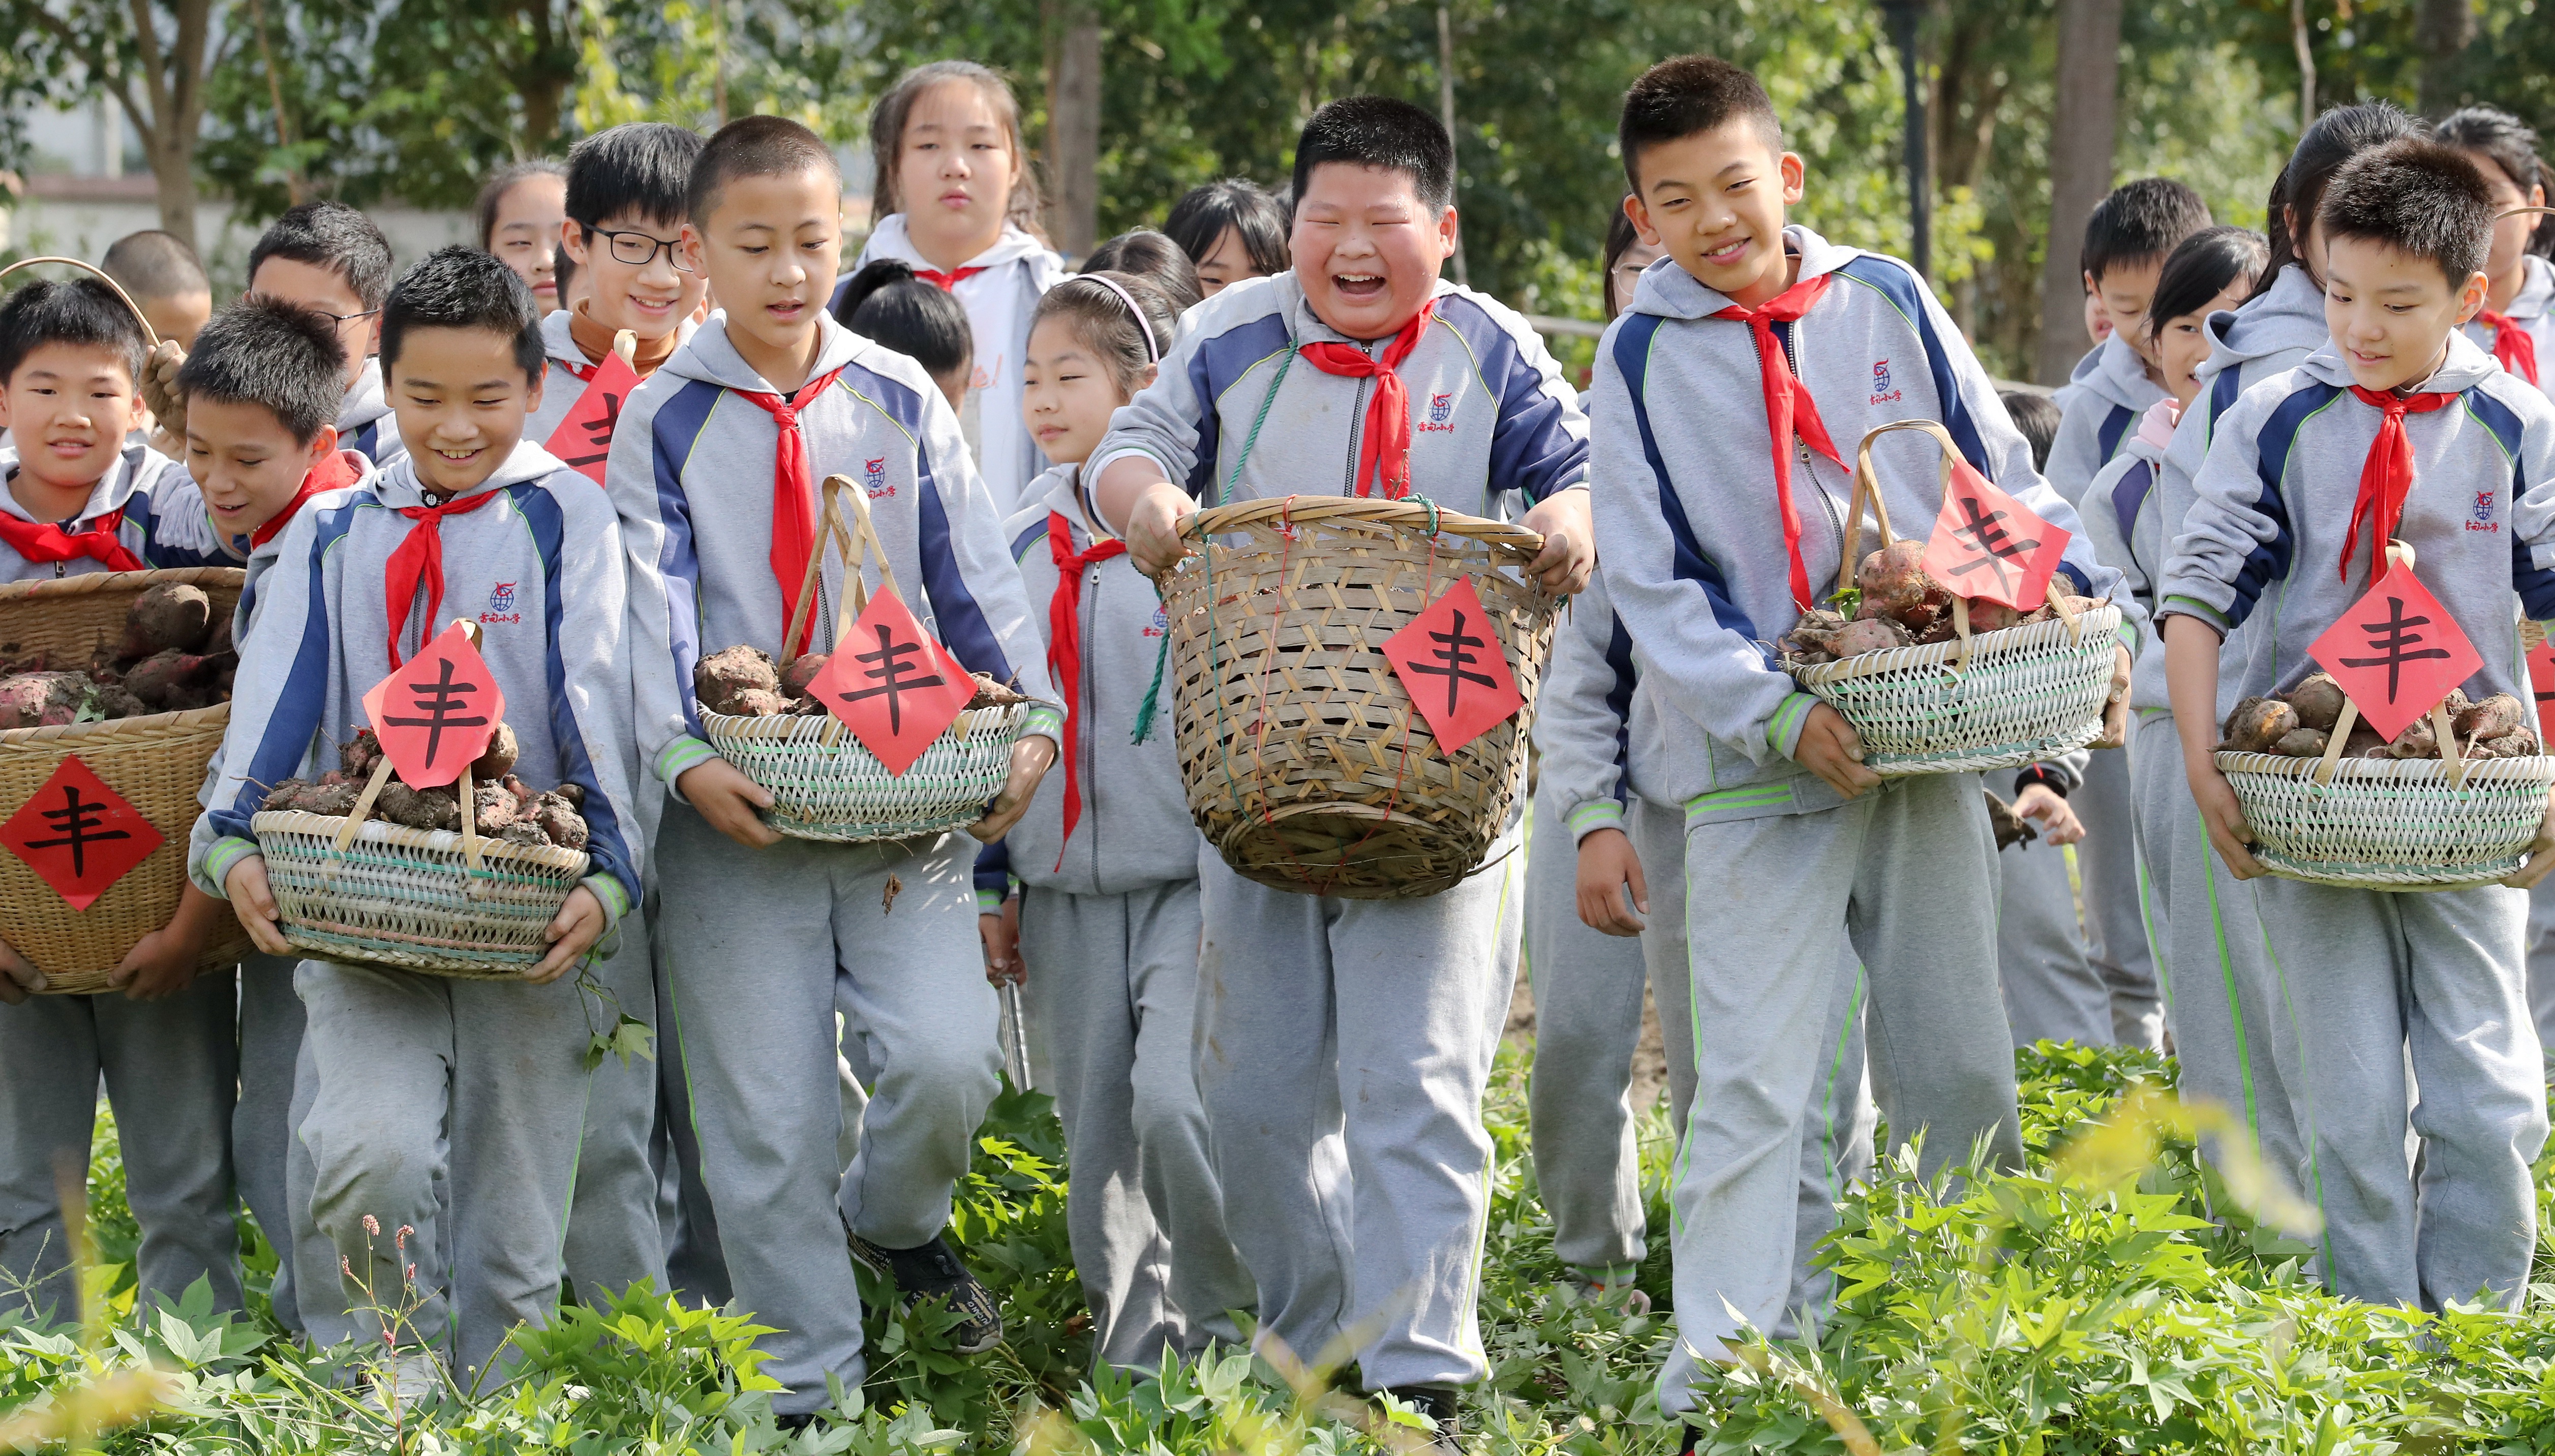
(2102, 408)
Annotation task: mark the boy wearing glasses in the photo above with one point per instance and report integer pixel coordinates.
(330, 259)
(625, 216)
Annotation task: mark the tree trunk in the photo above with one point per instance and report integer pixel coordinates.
(2301, 41)
(2080, 171)
(1073, 127)
(172, 169)
(2444, 31)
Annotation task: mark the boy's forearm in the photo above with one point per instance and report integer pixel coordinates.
(198, 915)
(1123, 484)
(2191, 650)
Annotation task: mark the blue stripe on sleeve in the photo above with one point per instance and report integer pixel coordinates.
(2496, 417)
(963, 628)
(1619, 701)
(1028, 539)
(293, 721)
(604, 842)
(2132, 494)
(1213, 369)
(1633, 358)
(1531, 450)
(994, 867)
(1894, 282)
(2535, 585)
(672, 431)
(2269, 561)
(2225, 390)
(2106, 438)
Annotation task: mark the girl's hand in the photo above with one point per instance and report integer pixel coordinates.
(2224, 817)
(2059, 822)
(1610, 876)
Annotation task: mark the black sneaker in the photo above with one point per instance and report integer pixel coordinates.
(1437, 1403)
(930, 1270)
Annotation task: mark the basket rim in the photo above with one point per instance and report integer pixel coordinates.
(216, 716)
(90, 582)
(2003, 641)
(375, 831)
(745, 725)
(2537, 767)
(1501, 537)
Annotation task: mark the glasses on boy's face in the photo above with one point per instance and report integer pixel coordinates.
(342, 320)
(637, 249)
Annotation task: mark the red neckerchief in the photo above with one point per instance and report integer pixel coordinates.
(42, 541)
(2511, 343)
(949, 282)
(1065, 648)
(2387, 476)
(419, 562)
(1384, 455)
(1789, 411)
(335, 471)
(794, 499)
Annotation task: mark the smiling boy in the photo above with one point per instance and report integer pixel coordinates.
(2400, 430)
(332, 260)
(715, 469)
(1712, 538)
(423, 1084)
(1345, 1043)
(625, 233)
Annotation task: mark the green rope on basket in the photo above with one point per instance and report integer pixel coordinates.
(1163, 650)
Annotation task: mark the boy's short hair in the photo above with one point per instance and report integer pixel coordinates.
(2139, 223)
(753, 146)
(2423, 198)
(2036, 415)
(334, 236)
(273, 354)
(1685, 95)
(1380, 130)
(84, 311)
(152, 264)
(1153, 256)
(462, 288)
(887, 304)
(640, 168)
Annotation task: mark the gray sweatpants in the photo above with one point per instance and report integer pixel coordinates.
(2052, 992)
(1905, 868)
(1343, 1050)
(269, 1047)
(614, 1237)
(480, 1082)
(2541, 960)
(168, 1067)
(755, 946)
(2116, 932)
(2224, 1000)
(1114, 982)
(2370, 979)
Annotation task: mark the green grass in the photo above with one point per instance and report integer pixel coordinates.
(2083, 1306)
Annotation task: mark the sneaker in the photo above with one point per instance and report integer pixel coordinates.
(1437, 1403)
(1611, 1286)
(930, 1270)
(403, 1382)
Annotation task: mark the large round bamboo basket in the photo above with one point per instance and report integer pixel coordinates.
(1307, 766)
(155, 763)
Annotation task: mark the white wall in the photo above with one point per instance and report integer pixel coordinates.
(84, 224)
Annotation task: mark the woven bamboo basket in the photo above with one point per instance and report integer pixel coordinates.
(155, 763)
(1994, 701)
(827, 785)
(413, 899)
(2391, 823)
(1305, 764)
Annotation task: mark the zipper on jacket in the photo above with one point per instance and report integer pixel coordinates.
(1801, 447)
(1085, 741)
(1357, 428)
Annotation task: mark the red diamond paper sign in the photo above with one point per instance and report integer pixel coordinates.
(437, 711)
(2542, 685)
(2396, 652)
(893, 685)
(78, 835)
(1454, 668)
(583, 440)
(1987, 543)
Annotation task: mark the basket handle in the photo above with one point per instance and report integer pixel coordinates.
(100, 275)
(1867, 486)
(856, 548)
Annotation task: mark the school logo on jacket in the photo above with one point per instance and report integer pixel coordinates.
(2482, 517)
(501, 605)
(1882, 393)
(1161, 624)
(874, 479)
(1439, 407)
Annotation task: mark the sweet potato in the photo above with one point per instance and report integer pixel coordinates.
(719, 679)
(802, 669)
(2258, 723)
(359, 754)
(46, 700)
(2519, 743)
(432, 808)
(499, 760)
(2490, 718)
(2364, 743)
(169, 617)
(115, 701)
(1988, 616)
(2417, 741)
(574, 794)
(991, 694)
(2301, 742)
(521, 831)
(755, 702)
(281, 796)
(1872, 635)
(1894, 581)
(2318, 700)
(559, 820)
(330, 799)
(1814, 632)
(173, 680)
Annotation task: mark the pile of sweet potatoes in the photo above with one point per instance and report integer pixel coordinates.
(504, 807)
(2299, 724)
(742, 682)
(175, 654)
(1896, 604)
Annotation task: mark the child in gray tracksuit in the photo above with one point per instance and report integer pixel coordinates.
(1786, 833)
(430, 1092)
(1345, 1044)
(2291, 517)
(1108, 861)
(760, 934)
(1598, 734)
